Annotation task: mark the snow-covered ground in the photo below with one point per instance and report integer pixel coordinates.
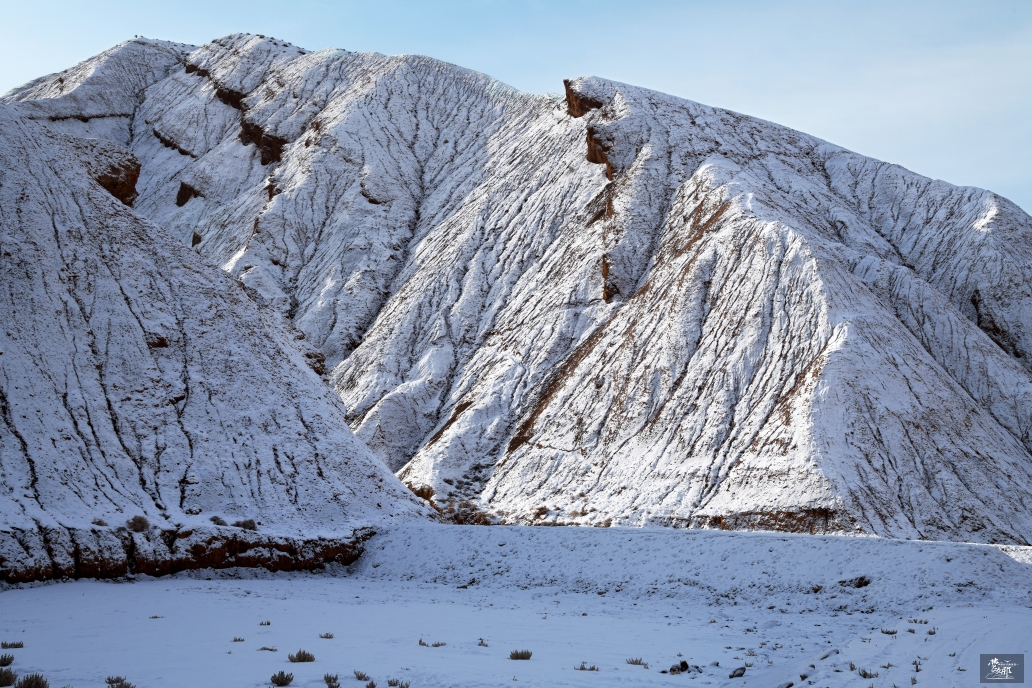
(570, 595)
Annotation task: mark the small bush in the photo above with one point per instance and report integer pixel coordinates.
(302, 656)
(32, 681)
(12, 645)
(371, 684)
(7, 677)
(118, 682)
(438, 644)
(422, 643)
(932, 631)
(361, 675)
(889, 631)
(99, 522)
(911, 630)
(864, 673)
(326, 636)
(636, 661)
(913, 681)
(138, 524)
(264, 623)
(267, 649)
(917, 665)
(584, 667)
(520, 654)
(238, 640)
(246, 524)
(281, 679)
(218, 520)
(6, 660)
(332, 681)
(481, 643)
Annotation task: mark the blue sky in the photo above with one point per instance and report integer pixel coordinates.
(943, 88)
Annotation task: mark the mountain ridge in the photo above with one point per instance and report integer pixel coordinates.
(613, 307)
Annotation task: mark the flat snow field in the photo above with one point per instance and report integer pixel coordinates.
(771, 603)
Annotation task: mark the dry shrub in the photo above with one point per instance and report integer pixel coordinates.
(32, 681)
(246, 524)
(99, 522)
(7, 677)
(466, 513)
(326, 636)
(238, 640)
(584, 667)
(422, 643)
(138, 524)
(520, 654)
(218, 520)
(118, 682)
(423, 491)
(266, 649)
(301, 656)
(12, 645)
(438, 644)
(361, 675)
(864, 673)
(264, 623)
(6, 660)
(281, 679)
(332, 680)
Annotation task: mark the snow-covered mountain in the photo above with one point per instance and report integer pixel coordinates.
(136, 379)
(610, 306)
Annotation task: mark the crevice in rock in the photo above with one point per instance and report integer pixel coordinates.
(169, 143)
(186, 192)
(271, 147)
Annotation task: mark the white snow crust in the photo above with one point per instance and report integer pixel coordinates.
(772, 604)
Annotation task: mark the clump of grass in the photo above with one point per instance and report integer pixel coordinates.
(481, 643)
(301, 656)
(911, 630)
(14, 645)
(917, 665)
(371, 684)
(138, 524)
(864, 673)
(361, 675)
(267, 649)
(118, 682)
(520, 654)
(6, 660)
(438, 644)
(584, 667)
(332, 680)
(281, 679)
(32, 681)
(99, 522)
(264, 623)
(238, 640)
(422, 643)
(246, 524)
(326, 636)
(913, 681)
(932, 631)
(397, 683)
(852, 667)
(218, 520)
(7, 677)
(889, 631)
(637, 661)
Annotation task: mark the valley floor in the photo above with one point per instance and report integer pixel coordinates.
(772, 603)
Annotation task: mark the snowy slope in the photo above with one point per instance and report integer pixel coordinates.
(137, 380)
(615, 306)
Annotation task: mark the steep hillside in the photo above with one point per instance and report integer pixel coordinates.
(612, 306)
(136, 380)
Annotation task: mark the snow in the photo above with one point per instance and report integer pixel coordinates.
(406, 588)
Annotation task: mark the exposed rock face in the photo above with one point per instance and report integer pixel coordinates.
(136, 379)
(610, 307)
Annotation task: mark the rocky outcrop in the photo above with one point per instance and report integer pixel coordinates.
(54, 553)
